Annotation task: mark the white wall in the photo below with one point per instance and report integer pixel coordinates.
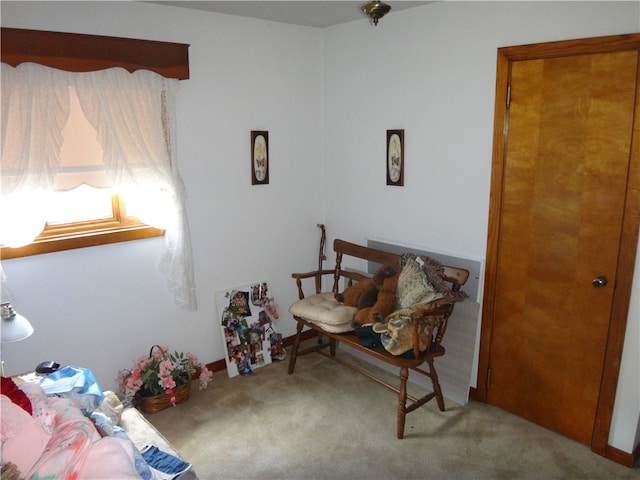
(327, 97)
(103, 307)
(431, 71)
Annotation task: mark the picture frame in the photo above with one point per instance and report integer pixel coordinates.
(395, 158)
(259, 157)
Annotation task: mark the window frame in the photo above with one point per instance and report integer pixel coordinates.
(82, 53)
(88, 233)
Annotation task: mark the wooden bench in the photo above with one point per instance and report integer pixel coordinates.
(434, 319)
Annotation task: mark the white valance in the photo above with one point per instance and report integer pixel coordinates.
(134, 116)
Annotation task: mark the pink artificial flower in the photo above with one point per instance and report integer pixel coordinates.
(192, 359)
(205, 377)
(168, 383)
(161, 372)
(172, 396)
(165, 368)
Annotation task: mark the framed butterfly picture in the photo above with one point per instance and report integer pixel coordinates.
(395, 157)
(259, 157)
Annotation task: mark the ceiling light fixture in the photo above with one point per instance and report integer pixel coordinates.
(375, 11)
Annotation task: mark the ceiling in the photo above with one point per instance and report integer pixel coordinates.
(306, 12)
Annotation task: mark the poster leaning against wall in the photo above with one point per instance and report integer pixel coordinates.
(246, 316)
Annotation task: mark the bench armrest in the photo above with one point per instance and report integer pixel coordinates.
(316, 274)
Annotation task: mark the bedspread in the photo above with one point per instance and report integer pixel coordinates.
(58, 441)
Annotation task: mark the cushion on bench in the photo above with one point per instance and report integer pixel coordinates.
(414, 286)
(324, 310)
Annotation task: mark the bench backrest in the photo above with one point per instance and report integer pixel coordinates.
(456, 276)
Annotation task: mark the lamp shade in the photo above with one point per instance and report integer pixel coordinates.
(15, 327)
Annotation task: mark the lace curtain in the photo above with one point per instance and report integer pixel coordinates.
(134, 116)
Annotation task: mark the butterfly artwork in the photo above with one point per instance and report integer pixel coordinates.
(259, 157)
(395, 157)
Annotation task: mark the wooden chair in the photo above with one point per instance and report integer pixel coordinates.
(433, 317)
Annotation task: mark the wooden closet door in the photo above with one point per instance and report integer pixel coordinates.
(559, 226)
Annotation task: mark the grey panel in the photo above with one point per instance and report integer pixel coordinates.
(456, 369)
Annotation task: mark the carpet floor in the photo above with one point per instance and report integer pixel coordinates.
(328, 422)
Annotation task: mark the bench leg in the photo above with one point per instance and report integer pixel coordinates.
(332, 346)
(436, 384)
(295, 347)
(402, 401)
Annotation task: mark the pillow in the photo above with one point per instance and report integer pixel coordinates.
(432, 272)
(324, 310)
(396, 333)
(413, 286)
(17, 396)
(23, 441)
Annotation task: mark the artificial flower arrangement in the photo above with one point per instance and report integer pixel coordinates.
(161, 372)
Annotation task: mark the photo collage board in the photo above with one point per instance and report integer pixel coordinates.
(246, 318)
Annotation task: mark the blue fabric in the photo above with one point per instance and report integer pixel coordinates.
(163, 461)
(76, 383)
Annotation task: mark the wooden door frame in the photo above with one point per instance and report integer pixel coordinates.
(630, 224)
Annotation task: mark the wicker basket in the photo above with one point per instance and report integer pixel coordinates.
(157, 403)
(160, 402)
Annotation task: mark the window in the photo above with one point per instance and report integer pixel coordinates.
(83, 209)
(126, 90)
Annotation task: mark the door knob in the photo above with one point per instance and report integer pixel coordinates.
(600, 282)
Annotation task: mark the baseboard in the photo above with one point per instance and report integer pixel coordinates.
(623, 458)
(473, 393)
(217, 366)
(612, 453)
